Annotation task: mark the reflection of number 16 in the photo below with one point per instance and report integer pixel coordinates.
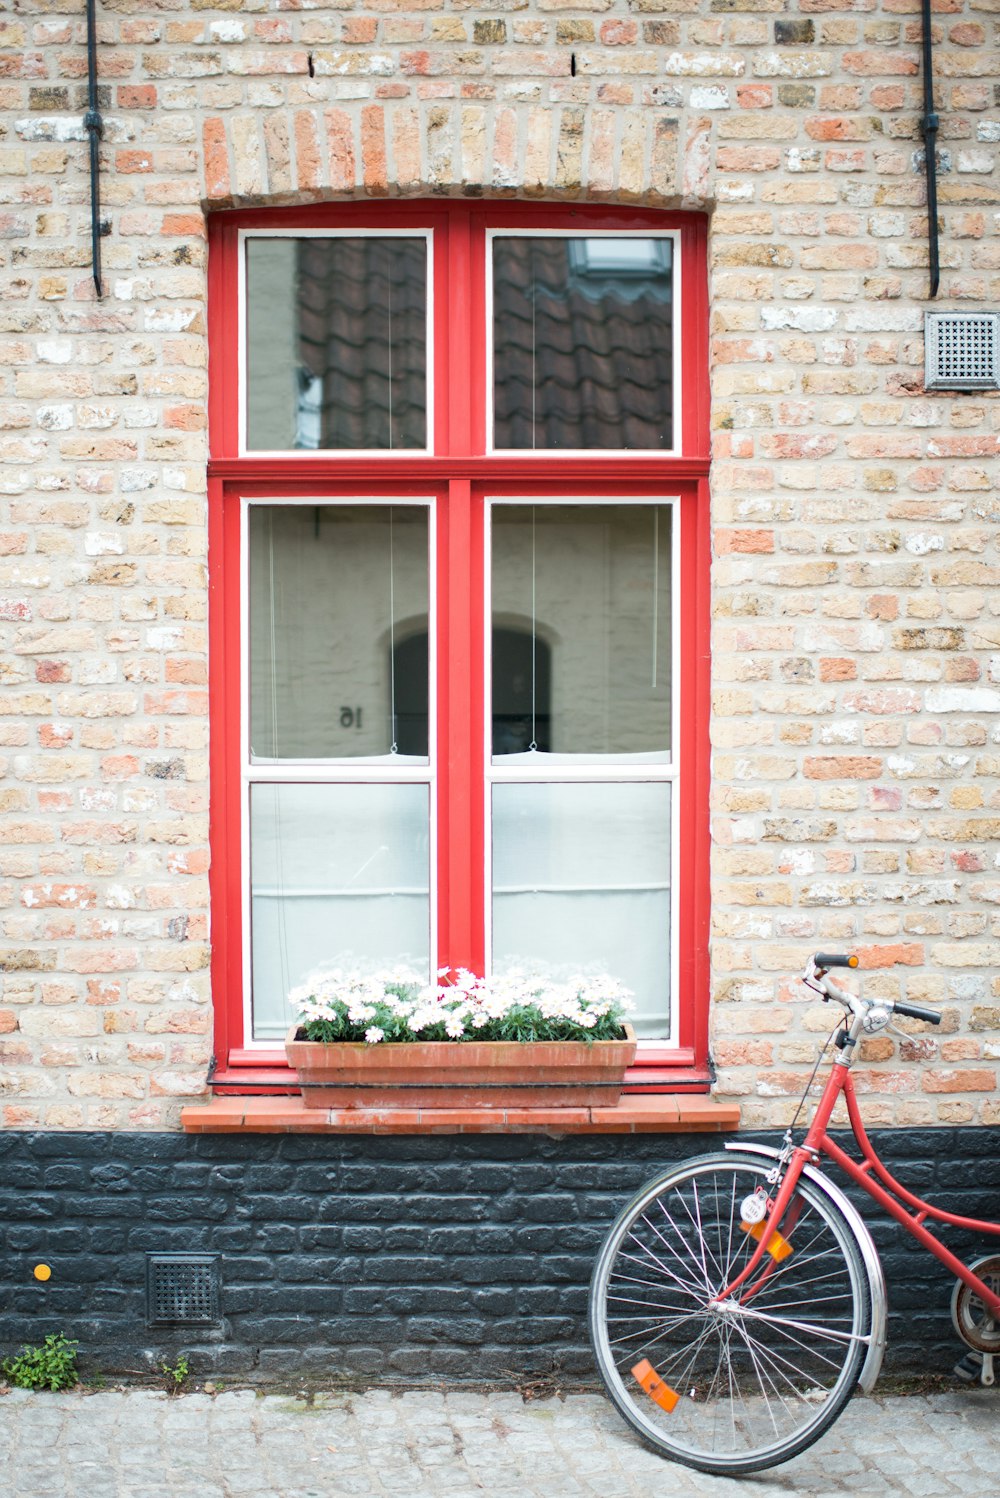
(350, 717)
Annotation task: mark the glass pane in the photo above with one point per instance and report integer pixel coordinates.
(339, 878)
(581, 630)
(336, 343)
(582, 342)
(338, 630)
(581, 882)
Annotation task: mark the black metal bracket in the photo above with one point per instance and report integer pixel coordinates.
(94, 126)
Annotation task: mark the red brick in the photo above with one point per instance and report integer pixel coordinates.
(619, 33)
(133, 161)
(842, 767)
(837, 668)
(373, 159)
(744, 541)
(136, 96)
(341, 145)
(754, 95)
(359, 31)
(880, 64)
(307, 158)
(907, 954)
(216, 158)
(973, 1080)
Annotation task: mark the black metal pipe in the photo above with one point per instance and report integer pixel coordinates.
(94, 125)
(929, 125)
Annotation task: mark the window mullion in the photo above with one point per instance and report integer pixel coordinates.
(459, 333)
(461, 831)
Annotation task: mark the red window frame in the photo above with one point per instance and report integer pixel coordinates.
(459, 474)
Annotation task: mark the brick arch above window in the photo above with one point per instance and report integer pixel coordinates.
(626, 155)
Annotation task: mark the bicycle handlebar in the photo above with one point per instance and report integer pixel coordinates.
(816, 977)
(917, 1011)
(835, 959)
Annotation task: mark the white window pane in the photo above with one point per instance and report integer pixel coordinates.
(581, 635)
(336, 342)
(338, 631)
(339, 877)
(581, 881)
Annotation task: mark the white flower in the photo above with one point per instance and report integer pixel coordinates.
(459, 1003)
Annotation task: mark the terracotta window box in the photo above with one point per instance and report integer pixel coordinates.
(466, 1074)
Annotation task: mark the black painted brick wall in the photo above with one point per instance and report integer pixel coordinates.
(417, 1258)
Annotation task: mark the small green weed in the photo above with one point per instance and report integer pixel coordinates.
(51, 1366)
(176, 1374)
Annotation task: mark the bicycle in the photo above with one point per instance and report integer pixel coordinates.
(739, 1299)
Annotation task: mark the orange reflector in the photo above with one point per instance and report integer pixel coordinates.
(779, 1248)
(852, 961)
(647, 1377)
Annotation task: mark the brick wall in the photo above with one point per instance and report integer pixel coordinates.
(856, 660)
(393, 1259)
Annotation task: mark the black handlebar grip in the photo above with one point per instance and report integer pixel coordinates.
(834, 959)
(917, 1011)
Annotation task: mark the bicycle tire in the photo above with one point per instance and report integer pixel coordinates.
(749, 1386)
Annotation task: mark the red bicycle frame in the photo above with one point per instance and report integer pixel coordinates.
(867, 1174)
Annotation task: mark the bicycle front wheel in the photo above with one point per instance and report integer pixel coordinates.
(734, 1386)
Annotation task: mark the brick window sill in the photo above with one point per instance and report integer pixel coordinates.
(637, 1114)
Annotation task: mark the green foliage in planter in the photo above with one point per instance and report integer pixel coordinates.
(51, 1366)
(398, 1006)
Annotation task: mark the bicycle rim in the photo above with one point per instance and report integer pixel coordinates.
(742, 1386)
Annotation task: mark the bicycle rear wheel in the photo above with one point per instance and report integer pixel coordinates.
(745, 1385)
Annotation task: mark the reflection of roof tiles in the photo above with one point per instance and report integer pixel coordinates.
(583, 367)
(586, 366)
(362, 332)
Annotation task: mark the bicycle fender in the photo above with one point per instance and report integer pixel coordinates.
(869, 1253)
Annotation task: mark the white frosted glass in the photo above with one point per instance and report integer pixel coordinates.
(581, 881)
(339, 877)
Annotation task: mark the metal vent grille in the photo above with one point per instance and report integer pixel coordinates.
(962, 350)
(182, 1289)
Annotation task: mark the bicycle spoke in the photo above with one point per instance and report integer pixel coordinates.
(662, 1328)
(669, 1371)
(802, 1326)
(624, 1279)
(781, 1363)
(773, 1368)
(691, 1285)
(653, 1228)
(760, 1376)
(650, 1305)
(703, 1246)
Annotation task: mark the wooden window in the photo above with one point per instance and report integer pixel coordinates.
(459, 555)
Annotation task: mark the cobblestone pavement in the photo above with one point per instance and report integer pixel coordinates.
(141, 1444)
